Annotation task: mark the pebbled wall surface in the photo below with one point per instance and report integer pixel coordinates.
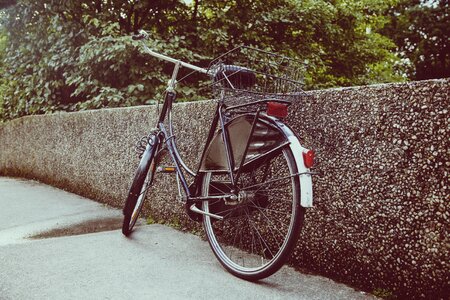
(381, 214)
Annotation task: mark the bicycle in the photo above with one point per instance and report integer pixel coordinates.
(253, 181)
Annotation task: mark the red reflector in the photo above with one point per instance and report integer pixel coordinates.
(276, 109)
(308, 158)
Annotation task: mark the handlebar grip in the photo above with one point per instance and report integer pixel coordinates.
(137, 37)
(140, 36)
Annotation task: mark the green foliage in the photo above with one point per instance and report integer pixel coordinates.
(151, 220)
(74, 55)
(421, 30)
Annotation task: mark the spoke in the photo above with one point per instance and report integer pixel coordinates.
(240, 245)
(217, 201)
(278, 200)
(147, 186)
(270, 181)
(266, 169)
(273, 210)
(261, 238)
(149, 178)
(251, 231)
(270, 190)
(261, 189)
(234, 239)
(271, 223)
(247, 226)
(221, 192)
(228, 210)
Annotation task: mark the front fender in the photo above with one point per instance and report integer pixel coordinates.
(141, 174)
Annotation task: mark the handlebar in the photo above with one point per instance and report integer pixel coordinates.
(143, 35)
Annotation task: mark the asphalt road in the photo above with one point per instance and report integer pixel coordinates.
(157, 262)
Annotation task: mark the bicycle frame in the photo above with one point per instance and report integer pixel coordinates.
(169, 137)
(191, 194)
(253, 173)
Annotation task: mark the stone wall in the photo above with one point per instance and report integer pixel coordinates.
(381, 214)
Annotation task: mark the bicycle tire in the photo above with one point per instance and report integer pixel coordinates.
(234, 240)
(139, 188)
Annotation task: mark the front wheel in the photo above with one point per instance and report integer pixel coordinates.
(141, 183)
(259, 231)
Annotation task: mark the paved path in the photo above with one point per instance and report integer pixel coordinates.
(153, 264)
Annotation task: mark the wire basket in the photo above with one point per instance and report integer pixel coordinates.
(248, 74)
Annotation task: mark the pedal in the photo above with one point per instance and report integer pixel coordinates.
(165, 169)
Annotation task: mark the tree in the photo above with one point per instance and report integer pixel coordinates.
(78, 55)
(71, 55)
(7, 3)
(330, 35)
(421, 31)
(3, 43)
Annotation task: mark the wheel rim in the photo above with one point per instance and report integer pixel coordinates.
(254, 235)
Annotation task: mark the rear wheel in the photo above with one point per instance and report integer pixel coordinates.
(260, 230)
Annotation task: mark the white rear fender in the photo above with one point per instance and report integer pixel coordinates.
(306, 193)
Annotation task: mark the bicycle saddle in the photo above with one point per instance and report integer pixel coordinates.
(234, 77)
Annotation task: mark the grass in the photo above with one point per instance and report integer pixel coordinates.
(175, 223)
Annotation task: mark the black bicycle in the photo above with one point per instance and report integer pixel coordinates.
(253, 180)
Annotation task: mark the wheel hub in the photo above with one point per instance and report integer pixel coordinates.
(243, 197)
